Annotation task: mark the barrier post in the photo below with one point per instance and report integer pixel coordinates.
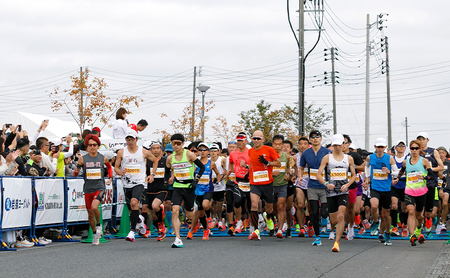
(124, 228)
(33, 214)
(114, 209)
(3, 245)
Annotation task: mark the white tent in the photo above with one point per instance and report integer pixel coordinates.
(56, 127)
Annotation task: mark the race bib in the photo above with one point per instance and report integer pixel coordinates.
(379, 175)
(415, 177)
(182, 174)
(244, 186)
(313, 174)
(305, 172)
(280, 169)
(159, 173)
(133, 170)
(93, 174)
(261, 176)
(204, 179)
(338, 174)
(232, 177)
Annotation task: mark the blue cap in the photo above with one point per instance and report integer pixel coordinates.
(169, 148)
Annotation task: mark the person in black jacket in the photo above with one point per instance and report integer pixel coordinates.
(33, 168)
(23, 145)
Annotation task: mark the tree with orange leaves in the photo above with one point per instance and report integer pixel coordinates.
(224, 132)
(86, 101)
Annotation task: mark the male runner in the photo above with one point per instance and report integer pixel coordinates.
(182, 164)
(130, 164)
(337, 164)
(444, 191)
(262, 159)
(219, 187)
(290, 210)
(94, 182)
(316, 190)
(301, 187)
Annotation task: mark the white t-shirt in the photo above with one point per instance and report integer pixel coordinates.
(120, 129)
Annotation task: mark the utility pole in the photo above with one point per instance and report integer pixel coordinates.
(367, 131)
(333, 84)
(193, 105)
(388, 93)
(80, 106)
(406, 126)
(301, 91)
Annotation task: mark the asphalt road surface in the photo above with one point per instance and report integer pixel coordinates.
(225, 257)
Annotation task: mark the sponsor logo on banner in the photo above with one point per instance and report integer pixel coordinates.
(107, 199)
(41, 201)
(8, 204)
(76, 195)
(16, 204)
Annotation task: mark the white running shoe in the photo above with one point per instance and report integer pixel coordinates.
(328, 226)
(285, 227)
(44, 241)
(261, 223)
(99, 231)
(96, 239)
(350, 234)
(331, 237)
(239, 227)
(141, 227)
(177, 243)
(130, 236)
(438, 229)
(323, 230)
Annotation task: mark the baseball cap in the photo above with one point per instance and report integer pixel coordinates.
(337, 139)
(241, 136)
(56, 141)
(400, 141)
(214, 147)
(186, 144)
(316, 132)
(423, 134)
(97, 129)
(202, 144)
(441, 148)
(380, 142)
(131, 133)
(352, 146)
(133, 127)
(147, 145)
(169, 148)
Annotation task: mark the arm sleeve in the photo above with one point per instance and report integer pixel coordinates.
(367, 170)
(401, 172)
(110, 170)
(394, 170)
(36, 136)
(70, 152)
(201, 167)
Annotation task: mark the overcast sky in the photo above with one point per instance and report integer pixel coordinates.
(247, 53)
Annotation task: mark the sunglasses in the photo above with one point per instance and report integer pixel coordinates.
(346, 143)
(202, 150)
(92, 145)
(414, 148)
(241, 137)
(379, 147)
(177, 143)
(256, 138)
(401, 146)
(315, 136)
(232, 142)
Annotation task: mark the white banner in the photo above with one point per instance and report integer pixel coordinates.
(120, 198)
(107, 200)
(50, 195)
(17, 202)
(76, 204)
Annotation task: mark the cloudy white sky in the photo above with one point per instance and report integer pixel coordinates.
(247, 53)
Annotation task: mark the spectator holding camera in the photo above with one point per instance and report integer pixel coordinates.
(49, 162)
(23, 146)
(57, 152)
(33, 168)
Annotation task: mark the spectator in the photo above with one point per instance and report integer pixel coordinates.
(7, 163)
(43, 145)
(81, 139)
(141, 125)
(33, 168)
(23, 146)
(57, 152)
(96, 131)
(120, 126)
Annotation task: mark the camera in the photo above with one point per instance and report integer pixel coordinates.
(8, 125)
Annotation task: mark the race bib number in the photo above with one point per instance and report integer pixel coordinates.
(232, 177)
(204, 179)
(244, 186)
(159, 173)
(182, 174)
(280, 169)
(338, 174)
(261, 176)
(93, 174)
(305, 172)
(415, 177)
(313, 174)
(379, 175)
(133, 170)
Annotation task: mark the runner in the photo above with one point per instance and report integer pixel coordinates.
(398, 192)
(219, 187)
(290, 210)
(130, 164)
(168, 200)
(337, 164)
(444, 190)
(262, 159)
(301, 187)
(182, 165)
(94, 183)
(379, 170)
(281, 176)
(316, 190)
(418, 171)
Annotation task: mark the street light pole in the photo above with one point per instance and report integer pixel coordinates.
(203, 89)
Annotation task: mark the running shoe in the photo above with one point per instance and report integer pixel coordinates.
(428, 234)
(329, 226)
(405, 231)
(350, 234)
(288, 233)
(170, 230)
(189, 235)
(99, 230)
(310, 229)
(250, 232)
(285, 227)
(323, 230)
(302, 232)
(206, 234)
(221, 226)
(335, 247)
(161, 232)
(428, 223)
(210, 223)
(357, 219)
(366, 224)
(332, 236)
(374, 228)
(231, 231)
(361, 231)
(256, 235)
(177, 243)
(388, 241)
(196, 228)
(418, 232)
(444, 228)
(141, 227)
(23, 244)
(280, 233)
(271, 232)
(239, 227)
(95, 239)
(421, 239)
(297, 227)
(394, 232)
(317, 242)
(413, 240)
(130, 236)
(261, 223)
(44, 241)
(269, 222)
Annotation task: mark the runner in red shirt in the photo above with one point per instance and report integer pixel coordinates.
(262, 159)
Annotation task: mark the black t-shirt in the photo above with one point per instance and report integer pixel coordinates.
(358, 161)
(160, 182)
(445, 173)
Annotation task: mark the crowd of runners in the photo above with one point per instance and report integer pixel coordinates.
(277, 187)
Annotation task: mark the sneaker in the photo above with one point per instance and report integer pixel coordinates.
(357, 220)
(374, 228)
(141, 227)
(161, 232)
(405, 231)
(130, 236)
(381, 239)
(328, 226)
(335, 247)
(285, 227)
(323, 230)
(317, 242)
(443, 228)
(99, 230)
(239, 227)
(366, 224)
(301, 233)
(388, 241)
(429, 234)
(24, 244)
(221, 226)
(177, 243)
(297, 227)
(417, 232)
(206, 234)
(361, 231)
(394, 232)
(428, 223)
(170, 230)
(413, 240)
(269, 222)
(231, 231)
(421, 239)
(44, 241)
(350, 234)
(251, 230)
(280, 233)
(271, 232)
(189, 235)
(332, 236)
(96, 239)
(196, 228)
(210, 223)
(310, 229)
(288, 233)
(256, 235)
(261, 223)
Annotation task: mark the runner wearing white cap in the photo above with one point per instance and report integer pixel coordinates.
(398, 192)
